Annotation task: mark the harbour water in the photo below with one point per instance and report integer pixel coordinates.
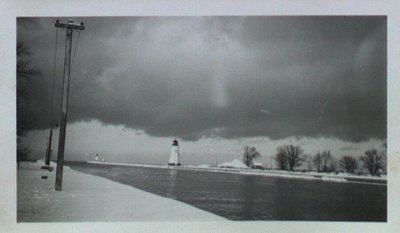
(248, 197)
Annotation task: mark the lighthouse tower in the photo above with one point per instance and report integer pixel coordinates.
(174, 155)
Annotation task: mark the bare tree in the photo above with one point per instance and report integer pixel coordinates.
(372, 161)
(25, 72)
(348, 163)
(326, 160)
(333, 164)
(25, 68)
(294, 156)
(317, 161)
(289, 156)
(250, 153)
(280, 159)
(309, 160)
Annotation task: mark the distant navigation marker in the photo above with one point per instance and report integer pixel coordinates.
(174, 156)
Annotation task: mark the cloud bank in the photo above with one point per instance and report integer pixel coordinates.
(227, 77)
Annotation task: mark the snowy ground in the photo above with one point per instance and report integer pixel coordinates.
(91, 198)
(340, 177)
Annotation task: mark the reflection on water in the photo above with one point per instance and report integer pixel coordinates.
(172, 177)
(244, 197)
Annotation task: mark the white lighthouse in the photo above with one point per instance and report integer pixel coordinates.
(174, 155)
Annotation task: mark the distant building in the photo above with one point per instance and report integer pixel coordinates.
(174, 155)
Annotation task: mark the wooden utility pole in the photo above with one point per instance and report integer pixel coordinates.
(48, 151)
(69, 26)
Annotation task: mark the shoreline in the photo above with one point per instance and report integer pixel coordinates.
(345, 178)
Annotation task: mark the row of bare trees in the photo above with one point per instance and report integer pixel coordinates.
(372, 160)
(289, 157)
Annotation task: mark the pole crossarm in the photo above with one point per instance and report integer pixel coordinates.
(70, 25)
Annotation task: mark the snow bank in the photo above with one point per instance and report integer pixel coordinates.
(330, 178)
(197, 166)
(234, 164)
(90, 198)
(203, 166)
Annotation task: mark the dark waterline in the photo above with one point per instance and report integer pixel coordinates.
(246, 197)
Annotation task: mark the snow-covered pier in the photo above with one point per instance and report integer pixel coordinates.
(91, 198)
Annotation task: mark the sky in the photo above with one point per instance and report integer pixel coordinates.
(215, 83)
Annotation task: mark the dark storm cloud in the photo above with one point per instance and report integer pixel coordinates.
(194, 77)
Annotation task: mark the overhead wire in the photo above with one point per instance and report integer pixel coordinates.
(76, 45)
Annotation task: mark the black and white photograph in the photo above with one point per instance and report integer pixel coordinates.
(219, 119)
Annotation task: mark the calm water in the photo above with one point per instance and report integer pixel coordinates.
(244, 197)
